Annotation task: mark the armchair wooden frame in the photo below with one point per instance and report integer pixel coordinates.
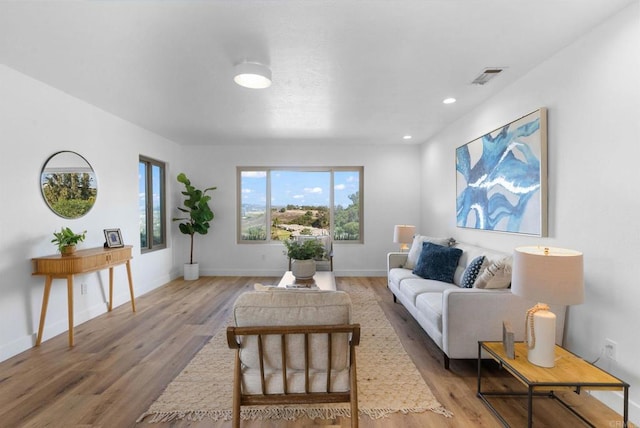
(350, 396)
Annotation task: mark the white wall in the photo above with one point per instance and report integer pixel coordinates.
(38, 121)
(592, 91)
(391, 196)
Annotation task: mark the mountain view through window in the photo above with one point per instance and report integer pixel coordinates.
(278, 203)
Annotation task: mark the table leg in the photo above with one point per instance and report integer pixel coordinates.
(626, 407)
(45, 303)
(133, 301)
(479, 368)
(530, 407)
(110, 288)
(70, 307)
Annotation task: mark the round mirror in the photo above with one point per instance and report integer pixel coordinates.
(68, 184)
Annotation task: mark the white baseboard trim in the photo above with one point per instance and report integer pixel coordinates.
(54, 328)
(17, 346)
(615, 400)
(51, 329)
(279, 272)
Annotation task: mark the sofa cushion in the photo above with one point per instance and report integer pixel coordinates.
(437, 262)
(416, 248)
(496, 275)
(412, 288)
(430, 306)
(472, 271)
(397, 275)
(469, 253)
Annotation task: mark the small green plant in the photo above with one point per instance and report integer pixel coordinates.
(305, 250)
(196, 205)
(67, 238)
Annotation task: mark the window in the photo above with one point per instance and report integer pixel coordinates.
(275, 203)
(151, 187)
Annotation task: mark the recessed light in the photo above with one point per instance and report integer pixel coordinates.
(252, 75)
(407, 137)
(449, 100)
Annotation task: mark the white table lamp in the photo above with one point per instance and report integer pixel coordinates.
(403, 235)
(550, 276)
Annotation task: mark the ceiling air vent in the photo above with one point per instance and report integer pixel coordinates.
(487, 75)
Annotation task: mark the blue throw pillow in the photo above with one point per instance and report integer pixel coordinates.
(471, 272)
(437, 262)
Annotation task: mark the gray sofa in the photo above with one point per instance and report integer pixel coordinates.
(456, 318)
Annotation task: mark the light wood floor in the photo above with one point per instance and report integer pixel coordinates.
(122, 362)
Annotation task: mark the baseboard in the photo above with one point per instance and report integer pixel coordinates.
(51, 329)
(364, 273)
(55, 328)
(279, 272)
(17, 346)
(243, 272)
(615, 400)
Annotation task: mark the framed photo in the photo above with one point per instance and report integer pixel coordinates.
(113, 238)
(501, 178)
(508, 339)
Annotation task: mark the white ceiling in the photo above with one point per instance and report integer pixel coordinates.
(344, 71)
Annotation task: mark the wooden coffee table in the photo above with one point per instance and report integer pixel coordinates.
(324, 280)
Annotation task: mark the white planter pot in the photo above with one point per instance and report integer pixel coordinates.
(303, 269)
(191, 271)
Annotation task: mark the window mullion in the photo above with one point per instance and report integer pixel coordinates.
(267, 214)
(331, 202)
(149, 204)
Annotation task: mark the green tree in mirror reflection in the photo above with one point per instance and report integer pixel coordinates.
(71, 195)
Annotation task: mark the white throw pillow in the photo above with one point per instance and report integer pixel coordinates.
(496, 275)
(416, 248)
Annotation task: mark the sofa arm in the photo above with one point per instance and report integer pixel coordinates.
(396, 260)
(470, 315)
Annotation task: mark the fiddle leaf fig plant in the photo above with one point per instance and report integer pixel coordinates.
(67, 238)
(197, 210)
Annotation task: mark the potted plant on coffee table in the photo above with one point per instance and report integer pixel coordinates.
(199, 214)
(66, 240)
(303, 255)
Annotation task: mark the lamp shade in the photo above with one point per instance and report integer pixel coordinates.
(403, 233)
(547, 274)
(252, 75)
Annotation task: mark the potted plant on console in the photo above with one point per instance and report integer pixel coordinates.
(302, 255)
(199, 214)
(66, 240)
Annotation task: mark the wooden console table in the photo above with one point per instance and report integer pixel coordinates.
(82, 261)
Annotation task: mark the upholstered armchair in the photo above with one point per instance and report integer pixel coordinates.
(326, 262)
(294, 347)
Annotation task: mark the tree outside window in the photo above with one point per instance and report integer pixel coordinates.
(277, 203)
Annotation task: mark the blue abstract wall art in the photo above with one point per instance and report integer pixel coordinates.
(501, 178)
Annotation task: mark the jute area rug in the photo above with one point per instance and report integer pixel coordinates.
(388, 381)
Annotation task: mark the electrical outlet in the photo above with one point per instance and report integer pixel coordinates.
(610, 349)
(83, 288)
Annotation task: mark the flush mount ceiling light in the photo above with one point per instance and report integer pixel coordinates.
(449, 100)
(252, 75)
